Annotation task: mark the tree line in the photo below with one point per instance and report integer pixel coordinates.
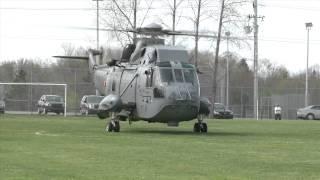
(274, 80)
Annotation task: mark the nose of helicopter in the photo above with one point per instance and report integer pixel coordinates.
(180, 111)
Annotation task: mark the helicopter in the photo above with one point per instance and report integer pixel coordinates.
(151, 82)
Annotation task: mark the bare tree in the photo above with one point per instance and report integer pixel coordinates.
(228, 16)
(174, 5)
(217, 53)
(122, 15)
(200, 11)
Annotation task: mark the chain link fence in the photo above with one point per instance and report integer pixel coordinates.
(24, 98)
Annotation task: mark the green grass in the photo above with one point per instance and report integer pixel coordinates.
(53, 147)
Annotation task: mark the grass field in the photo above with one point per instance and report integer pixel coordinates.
(53, 147)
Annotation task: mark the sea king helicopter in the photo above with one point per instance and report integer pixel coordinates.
(151, 81)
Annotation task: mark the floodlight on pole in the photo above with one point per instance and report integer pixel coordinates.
(228, 58)
(308, 27)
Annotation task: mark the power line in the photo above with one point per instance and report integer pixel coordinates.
(295, 8)
(48, 9)
(88, 9)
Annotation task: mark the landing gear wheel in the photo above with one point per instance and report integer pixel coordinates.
(196, 128)
(200, 126)
(204, 128)
(109, 127)
(113, 125)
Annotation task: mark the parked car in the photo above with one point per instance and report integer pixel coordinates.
(2, 106)
(220, 112)
(309, 112)
(50, 103)
(89, 104)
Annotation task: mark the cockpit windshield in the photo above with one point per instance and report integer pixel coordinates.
(178, 75)
(166, 75)
(189, 75)
(169, 75)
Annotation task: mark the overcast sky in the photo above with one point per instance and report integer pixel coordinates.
(37, 28)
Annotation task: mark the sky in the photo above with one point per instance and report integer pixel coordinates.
(38, 29)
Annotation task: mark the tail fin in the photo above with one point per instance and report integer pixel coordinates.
(91, 58)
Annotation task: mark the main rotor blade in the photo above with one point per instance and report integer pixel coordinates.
(72, 57)
(163, 32)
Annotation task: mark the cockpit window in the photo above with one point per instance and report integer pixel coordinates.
(178, 75)
(189, 75)
(166, 75)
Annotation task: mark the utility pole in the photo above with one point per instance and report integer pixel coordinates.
(97, 22)
(308, 27)
(228, 58)
(174, 21)
(255, 58)
(255, 63)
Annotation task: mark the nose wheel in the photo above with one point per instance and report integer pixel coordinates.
(200, 126)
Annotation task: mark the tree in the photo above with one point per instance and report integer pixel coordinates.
(121, 15)
(200, 12)
(227, 12)
(174, 5)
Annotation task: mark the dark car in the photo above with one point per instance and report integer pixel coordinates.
(89, 104)
(220, 112)
(50, 103)
(309, 112)
(2, 106)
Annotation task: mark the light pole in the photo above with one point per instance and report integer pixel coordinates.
(228, 57)
(308, 27)
(97, 22)
(255, 63)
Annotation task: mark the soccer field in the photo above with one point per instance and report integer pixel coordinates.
(54, 147)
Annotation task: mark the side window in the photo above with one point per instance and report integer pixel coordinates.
(113, 86)
(143, 51)
(149, 78)
(154, 56)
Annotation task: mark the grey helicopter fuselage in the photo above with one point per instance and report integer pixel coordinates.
(157, 85)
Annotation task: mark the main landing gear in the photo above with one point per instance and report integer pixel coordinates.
(113, 125)
(200, 126)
